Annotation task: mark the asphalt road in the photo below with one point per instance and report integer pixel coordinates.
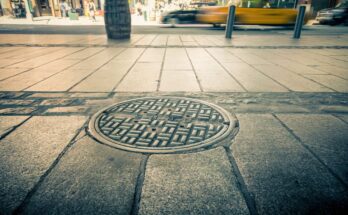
(181, 29)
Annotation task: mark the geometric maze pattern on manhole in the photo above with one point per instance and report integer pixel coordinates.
(161, 125)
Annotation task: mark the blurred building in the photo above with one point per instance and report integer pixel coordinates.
(44, 7)
(150, 8)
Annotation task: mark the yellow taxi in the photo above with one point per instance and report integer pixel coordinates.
(248, 16)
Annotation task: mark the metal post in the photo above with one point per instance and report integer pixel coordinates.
(299, 22)
(230, 21)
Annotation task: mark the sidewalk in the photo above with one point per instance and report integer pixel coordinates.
(51, 20)
(289, 96)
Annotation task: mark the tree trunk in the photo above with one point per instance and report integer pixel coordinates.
(117, 19)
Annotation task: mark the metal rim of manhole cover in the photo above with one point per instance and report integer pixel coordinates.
(163, 125)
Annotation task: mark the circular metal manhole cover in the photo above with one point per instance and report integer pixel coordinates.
(163, 125)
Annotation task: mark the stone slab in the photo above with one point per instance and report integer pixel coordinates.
(27, 79)
(199, 183)
(326, 136)
(8, 72)
(105, 79)
(334, 82)
(280, 173)
(179, 81)
(341, 72)
(253, 80)
(152, 55)
(8, 122)
(61, 81)
(176, 59)
(91, 178)
(143, 77)
(84, 53)
(27, 153)
(344, 117)
(291, 80)
(18, 110)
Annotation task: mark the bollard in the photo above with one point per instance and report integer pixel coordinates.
(230, 21)
(299, 22)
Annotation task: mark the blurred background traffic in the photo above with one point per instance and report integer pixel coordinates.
(175, 12)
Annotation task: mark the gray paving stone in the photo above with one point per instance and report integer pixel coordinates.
(91, 178)
(66, 79)
(334, 82)
(344, 117)
(326, 136)
(152, 55)
(291, 80)
(16, 102)
(253, 80)
(282, 176)
(106, 78)
(28, 152)
(98, 59)
(8, 72)
(57, 102)
(179, 81)
(199, 183)
(41, 60)
(17, 110)
(73, 109)
(24, 80)
(49, 95)
(83, 54)
(7, 122)
(176, 59)
(341, 72)
(143, 77)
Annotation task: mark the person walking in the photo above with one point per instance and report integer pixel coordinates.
(62, 9)
(92, 10)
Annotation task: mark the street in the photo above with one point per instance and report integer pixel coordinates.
(167, 29)
(173, 121)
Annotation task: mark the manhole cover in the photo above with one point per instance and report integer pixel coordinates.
(163, 125)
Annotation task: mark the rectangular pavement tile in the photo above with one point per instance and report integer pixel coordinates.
(146, 40)
(223, 55)
(91, 178)
(143, 77)
(334, 70)
(197, 183)
(184, 81)
(176, 59)
(8, 122)
(31, 77)
(160, 40)
(291, 80)
(174, 40)
(98, 59)
(42, 60)
(253, 80)
(280, 173)
(325, 135)
(61, 81)
(344, 117)
(27, 153)
(84, 53)
(334, 82)
(18, 110)
(218, 81)
(8, 72)
(152, 55)
(106, 78)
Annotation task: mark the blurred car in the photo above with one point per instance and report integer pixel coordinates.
(179, 17)
(248, 16)
(336, 15)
